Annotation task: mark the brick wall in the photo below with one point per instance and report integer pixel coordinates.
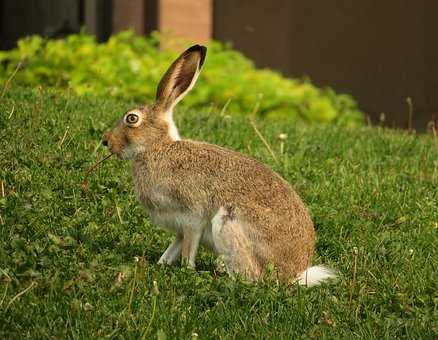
(190, 19)
(128, 14)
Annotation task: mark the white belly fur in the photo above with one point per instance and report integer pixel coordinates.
(177, 221)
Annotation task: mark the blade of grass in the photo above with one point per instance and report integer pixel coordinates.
(33, 284)
(265, 143)
(8, 81)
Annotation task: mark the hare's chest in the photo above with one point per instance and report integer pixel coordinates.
(154, 198)
(164, 210)
(168, 209)
(149, 192)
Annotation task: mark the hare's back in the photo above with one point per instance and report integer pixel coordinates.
(230, 177)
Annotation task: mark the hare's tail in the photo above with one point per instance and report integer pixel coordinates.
(315, 275)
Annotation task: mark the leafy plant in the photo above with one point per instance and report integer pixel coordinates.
(129, 67)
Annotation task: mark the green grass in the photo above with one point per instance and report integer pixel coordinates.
(68, 258)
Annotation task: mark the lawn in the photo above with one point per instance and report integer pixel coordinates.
(82, 263)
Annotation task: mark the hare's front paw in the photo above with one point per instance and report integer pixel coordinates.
(172, 252)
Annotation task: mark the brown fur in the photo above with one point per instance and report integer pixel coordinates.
(201, 178)
(196, 179)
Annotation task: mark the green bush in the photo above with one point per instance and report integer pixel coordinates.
(129, 67)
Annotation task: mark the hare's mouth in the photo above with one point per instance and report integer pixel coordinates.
(116, 149)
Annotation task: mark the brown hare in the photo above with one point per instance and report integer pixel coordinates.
(205, 194)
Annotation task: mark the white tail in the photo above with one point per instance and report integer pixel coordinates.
(315, 275)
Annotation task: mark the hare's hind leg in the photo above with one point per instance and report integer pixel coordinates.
(233, 245)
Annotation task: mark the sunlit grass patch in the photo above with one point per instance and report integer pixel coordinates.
(83, 263)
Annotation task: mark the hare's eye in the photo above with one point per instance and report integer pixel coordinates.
(131, 118)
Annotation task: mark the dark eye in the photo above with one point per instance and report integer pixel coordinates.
(131, 118)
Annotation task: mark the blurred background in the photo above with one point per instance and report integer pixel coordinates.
(380, 52)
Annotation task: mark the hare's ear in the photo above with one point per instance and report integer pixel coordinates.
(180, 77)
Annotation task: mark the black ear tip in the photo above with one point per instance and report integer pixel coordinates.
(202, 50)
(197, 48)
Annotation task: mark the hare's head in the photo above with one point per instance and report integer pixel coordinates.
(146, 127)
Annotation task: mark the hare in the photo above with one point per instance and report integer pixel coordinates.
(232, 204)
